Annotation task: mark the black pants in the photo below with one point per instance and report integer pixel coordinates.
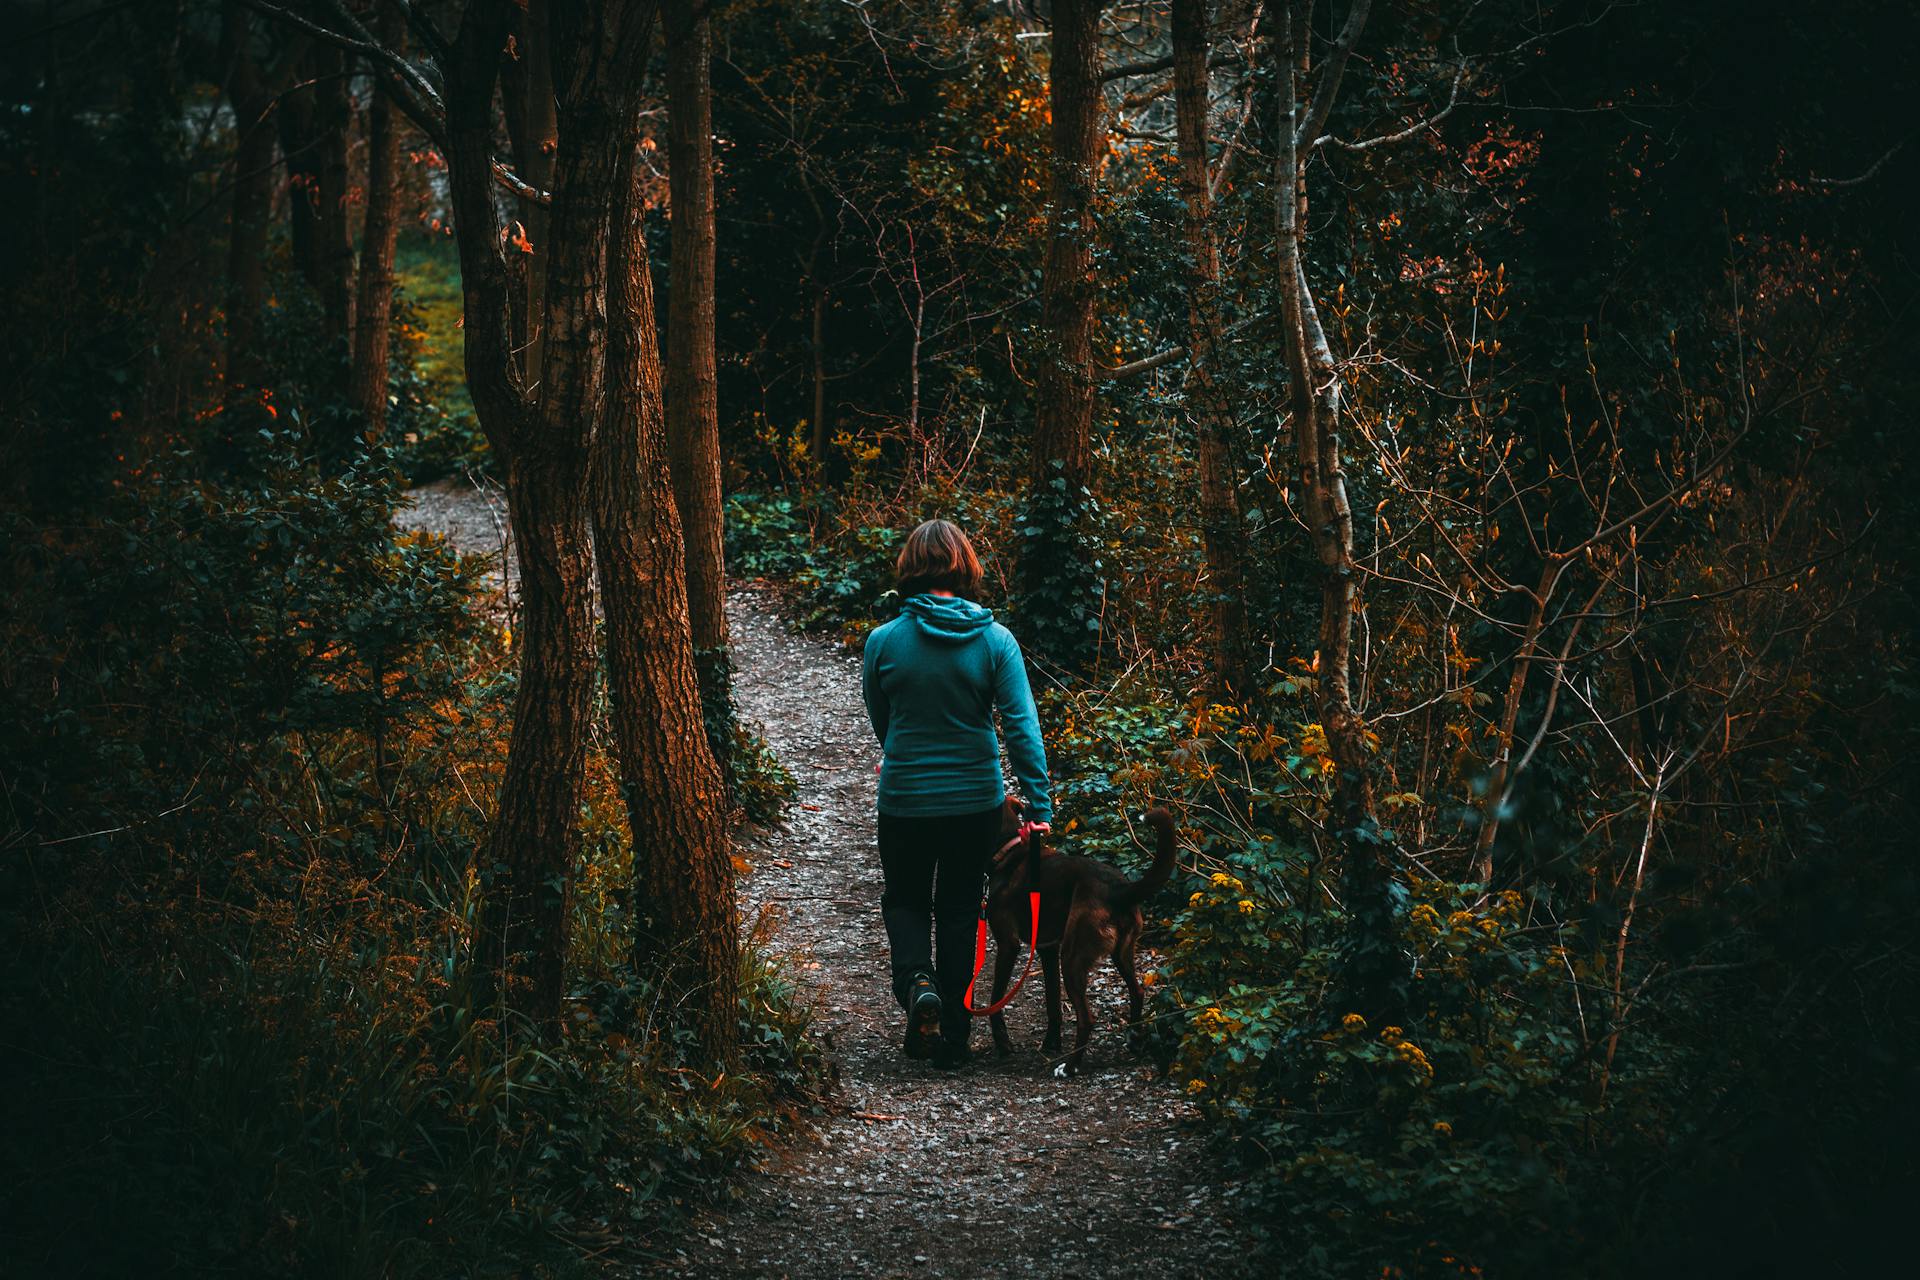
(935, 871)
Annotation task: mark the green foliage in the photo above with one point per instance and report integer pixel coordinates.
(755, 778)
(258, 938)
(759, 782)
(843, 582)
(1062, 587)
(432, 423)
(331, 1102)
(766, 536)
(1419, 1146)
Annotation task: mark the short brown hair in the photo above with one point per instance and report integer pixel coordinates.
(938, 557)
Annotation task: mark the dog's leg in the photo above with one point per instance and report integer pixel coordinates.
(1079, 967)
(1050, 963)
(1002, 974)
(1123, 962)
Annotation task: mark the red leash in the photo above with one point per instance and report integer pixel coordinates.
(980, 939)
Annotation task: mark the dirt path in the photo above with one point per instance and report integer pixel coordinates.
(1000, 1169)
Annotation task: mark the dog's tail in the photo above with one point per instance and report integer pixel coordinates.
(1162, 869)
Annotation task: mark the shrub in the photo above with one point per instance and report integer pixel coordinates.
(240, 976)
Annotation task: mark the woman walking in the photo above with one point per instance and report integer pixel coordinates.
(934, 676)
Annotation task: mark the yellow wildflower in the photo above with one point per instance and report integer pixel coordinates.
(1354, 1022)
(1442, 1128)
(1246, 906)
(1196, 1086)
(1410, 1053)
(1390, 1034)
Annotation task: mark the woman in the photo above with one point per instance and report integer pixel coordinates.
(933, 678)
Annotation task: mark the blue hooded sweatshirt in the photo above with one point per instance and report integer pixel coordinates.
(933, 678)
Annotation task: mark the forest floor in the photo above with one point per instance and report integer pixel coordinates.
(998, 1169)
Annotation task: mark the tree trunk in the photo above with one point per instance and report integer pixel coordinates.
(1371, 976)
(314, 118)
(1055, 573)
(332, 119)
(546, 446)
(1063, 428)
(1222, 529)
(533, 131)
(817, 330)
(247, 239)
(685, 921)
(300, 150)
(693, 413)
(251, 100)
(252, 93)
(373, 308)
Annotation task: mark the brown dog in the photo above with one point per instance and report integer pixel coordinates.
(1088, 911)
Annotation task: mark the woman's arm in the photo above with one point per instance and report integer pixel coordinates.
(1014, 697)
(876, 698)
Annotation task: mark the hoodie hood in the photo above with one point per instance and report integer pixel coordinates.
(946, 618)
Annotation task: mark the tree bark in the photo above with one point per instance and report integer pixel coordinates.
(332, 119)
(300, 150)
(373, 308)
(252, 93)
(247, 237)
(1370, 976)
(546, 444)
(817, 329)
(314, 118)
(1063, 427)
(685, 922)
(693, 413)
(533, 132)
(1222, 529)
(1055, 573)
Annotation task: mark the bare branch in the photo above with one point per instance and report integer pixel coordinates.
(1833, 184)
(1222, 56)
(1132, 367)
(1402, 135)
(1325, 93)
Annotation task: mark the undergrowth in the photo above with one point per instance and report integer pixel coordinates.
(246, 969)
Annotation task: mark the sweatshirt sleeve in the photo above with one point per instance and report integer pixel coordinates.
(876, 698)
(1018, 717)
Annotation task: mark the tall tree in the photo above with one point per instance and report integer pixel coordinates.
(1313, 391)
(373, 304)
(252, 90)
(1221, 527)
(545, 441)
(315, 115)
(684, 915)
(693, 413)
(333, 121)
(1055, 573)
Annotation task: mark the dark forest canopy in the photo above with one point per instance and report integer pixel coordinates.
(1457, 457)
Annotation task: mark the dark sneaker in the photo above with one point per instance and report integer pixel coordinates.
(923, 1018)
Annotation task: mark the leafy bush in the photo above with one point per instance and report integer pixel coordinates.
(243, 970)
(1381, 1146)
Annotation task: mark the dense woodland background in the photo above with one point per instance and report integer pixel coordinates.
(1458, 456)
